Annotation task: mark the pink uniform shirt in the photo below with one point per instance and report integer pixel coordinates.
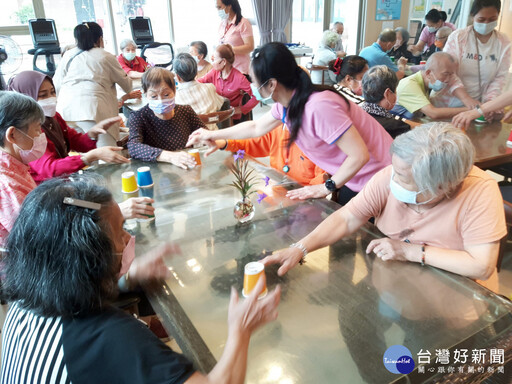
(234, 35)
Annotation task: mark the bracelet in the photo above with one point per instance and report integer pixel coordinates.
(225, 146)
(303, 249)
(479, 110)
(423, 255)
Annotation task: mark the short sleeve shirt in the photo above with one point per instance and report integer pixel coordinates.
(376, 56)
(327, 116)
(232, 34)
(411, 93)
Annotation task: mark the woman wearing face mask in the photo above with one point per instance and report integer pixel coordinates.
(323, 55)
(230, 82)
(433, 21)
(379, 91)
(236, 31)
(60, 290)
(86, 80)
(334, 133)
(484, 78)
(133, 65)
(349, 73)
(159, 131)
(400, 48)
(451, 218)
(62, 139)
(199, 52)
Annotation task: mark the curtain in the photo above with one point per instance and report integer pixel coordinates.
(282, 13)
(263, 10)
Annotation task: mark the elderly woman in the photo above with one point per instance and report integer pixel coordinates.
(203, 98)
(86, 81)
(483, 79)
(230, 82)
(60, 289)
(159, 131)
(336, 135)
(349, 73)
(400, 48)
(133, 65)
(379, 91)
(323, 55)
(61, 138)
(199, 52)
(434, 205)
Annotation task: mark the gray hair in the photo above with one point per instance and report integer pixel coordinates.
(387, 35)
(436, 57)
(17, 110)
(337, 23)
(439, 154)
(444, 32)
(329, 38)
(404, 32)
(185, 66)
(376, 81)
(127, 42)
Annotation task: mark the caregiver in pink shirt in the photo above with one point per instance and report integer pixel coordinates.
(333, 132)
(236, 31)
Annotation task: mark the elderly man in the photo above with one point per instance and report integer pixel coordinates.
(203, 98)
(377, 53)
(338, 27)
(414, 91)
(441, 38)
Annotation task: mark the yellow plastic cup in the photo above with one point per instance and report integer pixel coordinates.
(252, 273)
(128, 182)
(195, 154)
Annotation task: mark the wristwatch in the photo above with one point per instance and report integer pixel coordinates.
(479, 109)
(330, 185)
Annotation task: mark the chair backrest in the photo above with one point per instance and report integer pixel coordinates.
(415, 28)
(217, 117)
(313, 67)
(160, 54)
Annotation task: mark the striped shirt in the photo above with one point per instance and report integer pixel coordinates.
(106, 347)
(347, 92)
(32, 349)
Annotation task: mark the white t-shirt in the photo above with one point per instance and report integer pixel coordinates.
(489, 56)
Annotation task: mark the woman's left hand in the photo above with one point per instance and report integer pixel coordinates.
(388, 249)
(102, 127)
(151, 266)
(137, 208)
(308, 192)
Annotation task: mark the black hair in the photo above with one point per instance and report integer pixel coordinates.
(235, 6)
(349, 65)
(479, 4)
(17, 110)
(444, 15)
(87, 35)
(275, 61)
(60, 259)
(201, 47)
(433, 15)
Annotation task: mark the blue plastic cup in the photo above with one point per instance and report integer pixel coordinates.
(144, 179)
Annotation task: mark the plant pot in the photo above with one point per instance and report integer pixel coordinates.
(244, 210)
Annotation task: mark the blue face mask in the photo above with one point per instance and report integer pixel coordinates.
(161, 107)
(257, 94)
(129, 55)
(437, 86)
(222, 14)
(402, 194)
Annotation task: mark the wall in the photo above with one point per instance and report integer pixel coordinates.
(374, 27)
(505, 23)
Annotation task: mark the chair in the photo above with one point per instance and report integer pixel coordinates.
(245, 98)
(218, 117)
(313, 67)
(415, 28)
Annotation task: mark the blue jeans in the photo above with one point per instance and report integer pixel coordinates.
(401, 111)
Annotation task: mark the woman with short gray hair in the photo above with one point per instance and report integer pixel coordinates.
(379, 91)
(432, 203)
(133, 65)
(202, 97)
(323, 55)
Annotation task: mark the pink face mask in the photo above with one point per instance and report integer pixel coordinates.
(128, 256)
(37, 150)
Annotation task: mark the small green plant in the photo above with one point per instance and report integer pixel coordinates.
(24, 14)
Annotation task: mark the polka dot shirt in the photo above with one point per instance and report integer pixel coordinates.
(149, 135)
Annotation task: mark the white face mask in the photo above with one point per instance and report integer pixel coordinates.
(127, 257)
(485, 28)
(36, 152)
(196, 59)
(49, 106)
(432, 29)
(404, 195)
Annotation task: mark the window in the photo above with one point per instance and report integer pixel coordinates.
(16, 12)
(347, 11)
(307, 25)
